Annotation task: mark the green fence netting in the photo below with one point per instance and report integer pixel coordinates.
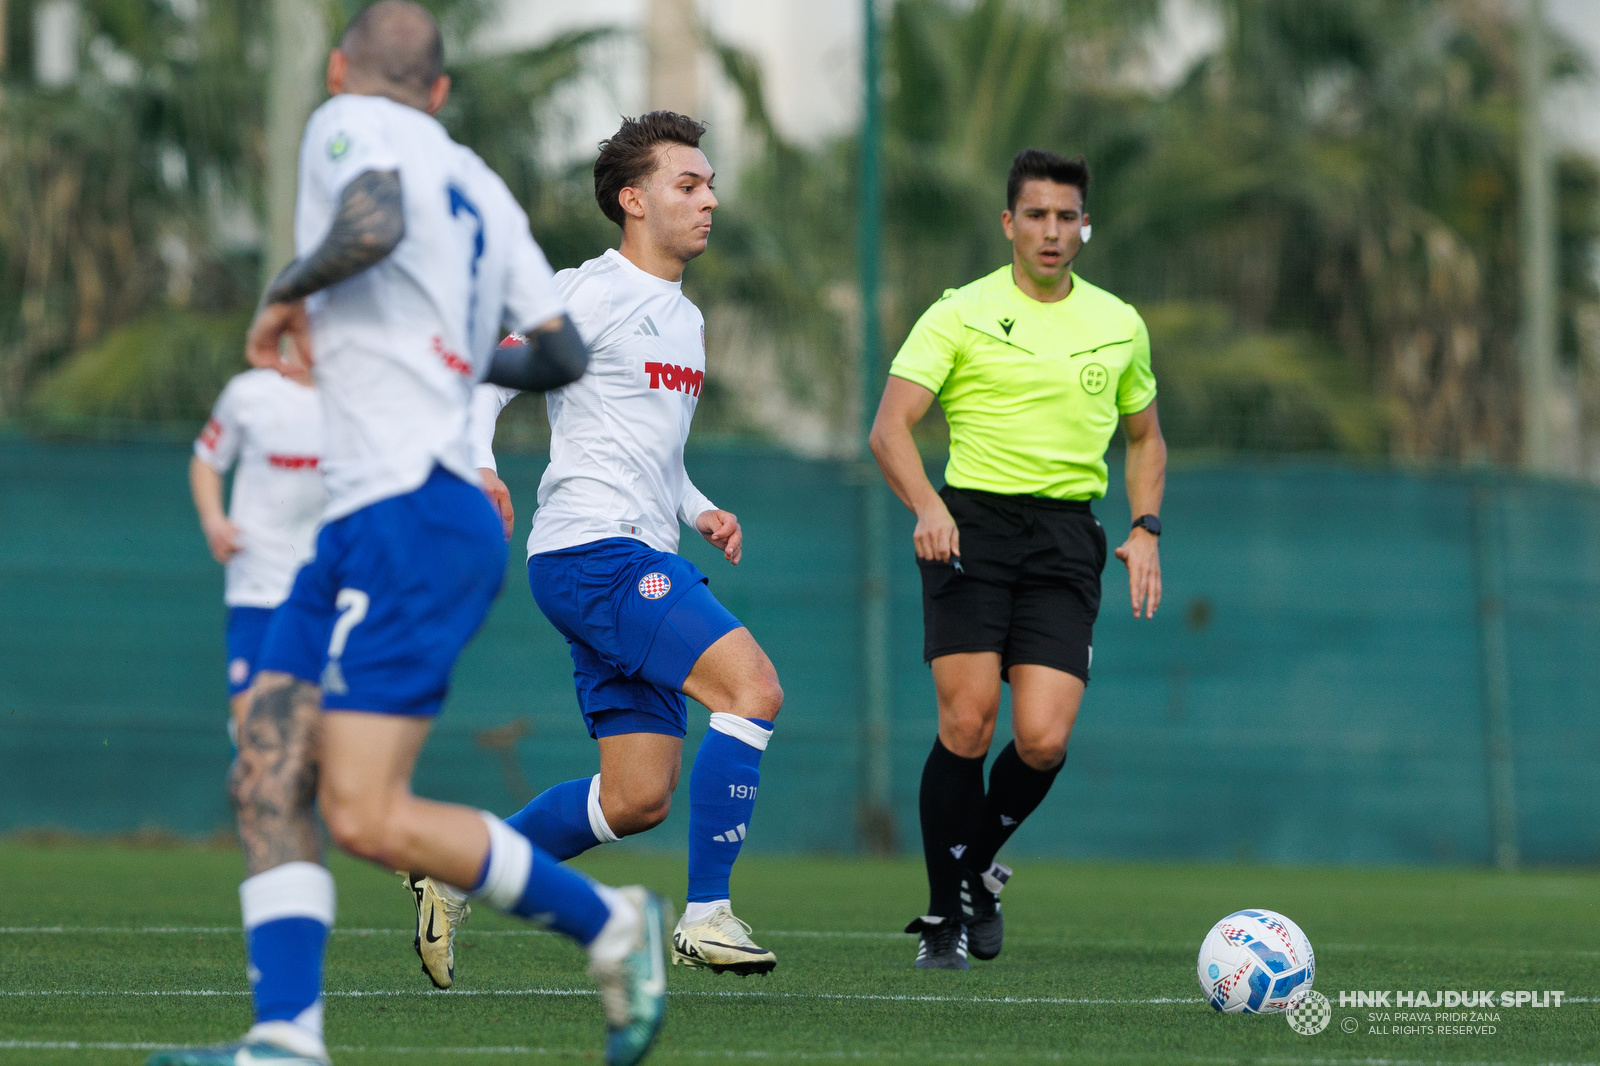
(1323, 684)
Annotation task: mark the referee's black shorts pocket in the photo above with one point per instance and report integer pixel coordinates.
(961, 613)
(1052, 626)
(1057, 600)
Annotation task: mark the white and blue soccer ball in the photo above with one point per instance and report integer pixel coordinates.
(1256, 962)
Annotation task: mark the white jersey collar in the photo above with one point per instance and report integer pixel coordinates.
(642, 275)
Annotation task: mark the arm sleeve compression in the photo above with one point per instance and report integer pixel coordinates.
(550, 359)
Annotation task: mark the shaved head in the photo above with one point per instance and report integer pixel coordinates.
(395, 44)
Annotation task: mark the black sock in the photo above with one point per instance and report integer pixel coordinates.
(951, 805)
(1015, 791)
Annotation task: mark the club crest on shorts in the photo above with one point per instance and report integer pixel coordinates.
(655, 585)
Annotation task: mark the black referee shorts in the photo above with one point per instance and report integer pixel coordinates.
(1027, 584)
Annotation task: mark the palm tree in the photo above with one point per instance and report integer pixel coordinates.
(130, 201)
(124, 191)
(1317, 221)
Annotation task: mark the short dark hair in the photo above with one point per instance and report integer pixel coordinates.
(1036, 163)
(398, 41)
(628, 155)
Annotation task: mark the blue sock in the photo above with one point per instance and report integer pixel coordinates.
(287, 913)
(286, 964)
(722, 798)
(519, 878)
(559, 819)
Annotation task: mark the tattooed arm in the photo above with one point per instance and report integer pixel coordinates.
(369, 225)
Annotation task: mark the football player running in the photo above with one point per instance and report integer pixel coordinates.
(415, 257)
(267, 428)
(643, 628)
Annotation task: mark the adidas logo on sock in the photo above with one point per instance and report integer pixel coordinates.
(732, 836)
(1007, 821)
(959, 850)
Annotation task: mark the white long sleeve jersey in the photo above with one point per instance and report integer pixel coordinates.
(617, 433)
(399, 347)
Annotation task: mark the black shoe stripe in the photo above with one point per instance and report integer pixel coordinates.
(735, 947)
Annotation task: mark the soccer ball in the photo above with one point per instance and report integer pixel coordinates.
(1256, 962)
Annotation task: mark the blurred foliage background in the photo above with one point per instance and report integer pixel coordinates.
(1318, 220)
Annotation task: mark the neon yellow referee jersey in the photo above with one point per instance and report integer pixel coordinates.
(1032, 391)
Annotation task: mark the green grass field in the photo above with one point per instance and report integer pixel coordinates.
(108, 950)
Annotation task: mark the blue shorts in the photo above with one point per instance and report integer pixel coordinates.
(247, 627)
(637, 620)
(394, 592)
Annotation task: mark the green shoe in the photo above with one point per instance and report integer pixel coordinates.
(633, 989)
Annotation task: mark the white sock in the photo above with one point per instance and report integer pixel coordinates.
(618, 936)
(292, 890)
(695, 913)
(510, 860)
(742, 729)
(450, 893)
(597, 817)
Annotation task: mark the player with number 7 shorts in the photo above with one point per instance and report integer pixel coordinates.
(643, 628)
(413, 259)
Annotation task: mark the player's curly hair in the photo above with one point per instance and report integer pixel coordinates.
(629, 155)
(1032, 164)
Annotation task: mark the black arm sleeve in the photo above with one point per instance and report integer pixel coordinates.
(551, 358)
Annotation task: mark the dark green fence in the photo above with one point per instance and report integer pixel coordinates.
(1338, 651)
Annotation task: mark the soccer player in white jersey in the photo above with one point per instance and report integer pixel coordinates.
(267, 428)
(644, 630)
(416, 258)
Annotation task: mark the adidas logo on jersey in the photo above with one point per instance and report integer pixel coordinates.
(647, 328)
(732, 836)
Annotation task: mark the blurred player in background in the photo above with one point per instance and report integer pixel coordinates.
(267, 428)
(1034, 369)
(416, 258)
(643, 628)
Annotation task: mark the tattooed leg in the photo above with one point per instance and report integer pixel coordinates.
(273, 783)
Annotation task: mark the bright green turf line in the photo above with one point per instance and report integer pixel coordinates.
(1077, 932)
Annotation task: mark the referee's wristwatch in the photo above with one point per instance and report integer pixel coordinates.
(1149, 523)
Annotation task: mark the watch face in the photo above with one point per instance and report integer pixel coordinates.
(1151, 523)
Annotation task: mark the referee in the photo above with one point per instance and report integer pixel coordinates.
(1034, 369)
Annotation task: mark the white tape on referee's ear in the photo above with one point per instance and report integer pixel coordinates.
(1088, 231)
